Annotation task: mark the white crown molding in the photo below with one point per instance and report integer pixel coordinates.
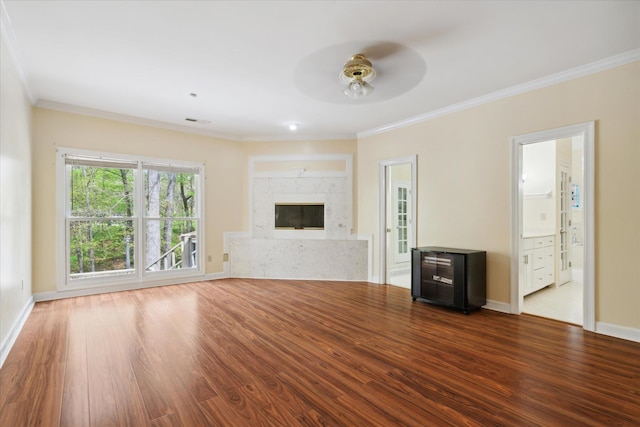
(296, 136)
(584, 70)
(68, 108)
(7, 34)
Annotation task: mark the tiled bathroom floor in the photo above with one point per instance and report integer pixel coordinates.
(563, 303)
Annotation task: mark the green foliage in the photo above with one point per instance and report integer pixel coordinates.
(104, 199)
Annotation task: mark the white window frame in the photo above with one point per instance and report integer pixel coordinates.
(140, 277)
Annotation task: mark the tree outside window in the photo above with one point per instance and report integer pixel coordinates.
(109, 211)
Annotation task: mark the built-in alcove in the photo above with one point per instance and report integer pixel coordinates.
(300, 215)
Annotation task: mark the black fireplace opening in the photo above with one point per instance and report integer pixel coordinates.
(299, 216)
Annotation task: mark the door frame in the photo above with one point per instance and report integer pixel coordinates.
(587, 131)
(383, 168)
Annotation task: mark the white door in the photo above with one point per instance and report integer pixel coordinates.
(397, 210)
(401, 204)
(564, 244)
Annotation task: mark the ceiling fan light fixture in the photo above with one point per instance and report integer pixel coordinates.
(357, 72)
(357, 89)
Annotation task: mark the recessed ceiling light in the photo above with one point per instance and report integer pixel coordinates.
(294, 126)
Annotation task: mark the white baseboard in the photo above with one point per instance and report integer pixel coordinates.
(50, 296)
(310, 279)
(608, 329)
(7, 344)
(502, 307)
(616, 331)
(214, 276)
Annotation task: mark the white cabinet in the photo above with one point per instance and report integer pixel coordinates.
(537, 263)
(526, 267)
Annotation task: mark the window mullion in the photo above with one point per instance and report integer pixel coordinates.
(140, 221)
(67, 224)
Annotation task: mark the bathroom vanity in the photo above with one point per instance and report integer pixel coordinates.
(537, 263)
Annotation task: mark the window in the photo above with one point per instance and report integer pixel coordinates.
(127, 219)
(402, 221)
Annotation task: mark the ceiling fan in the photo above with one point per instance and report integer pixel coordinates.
(398, 68)
(357, 72)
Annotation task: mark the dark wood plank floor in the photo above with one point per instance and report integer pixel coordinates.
(287, 353)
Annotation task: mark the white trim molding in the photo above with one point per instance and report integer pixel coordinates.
(7, 34)
(137, 277)
(502, 307)
(10, 340)
(584, 70)
(101, 114)
(185, 128)
(587, 131)
(617, 331)
(83, 292)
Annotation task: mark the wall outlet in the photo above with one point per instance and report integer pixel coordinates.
(225, 257)
(543, 216)
(209, 258)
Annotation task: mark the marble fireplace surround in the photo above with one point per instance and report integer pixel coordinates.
(334, 253)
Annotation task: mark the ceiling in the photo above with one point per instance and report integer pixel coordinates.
(257, 66)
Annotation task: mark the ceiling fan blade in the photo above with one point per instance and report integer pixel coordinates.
(382, 50)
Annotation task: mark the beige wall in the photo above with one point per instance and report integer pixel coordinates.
(15, 198)
(464, 179)
(224, 165)
(225, 168)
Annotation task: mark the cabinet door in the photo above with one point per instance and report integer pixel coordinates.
(538, 258)
(550, 264)
(416, 273)
(539, 279)
(526, 272)
(438, 277)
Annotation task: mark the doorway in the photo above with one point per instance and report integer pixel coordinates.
(397, 213)
(552, 288)
(552, 224)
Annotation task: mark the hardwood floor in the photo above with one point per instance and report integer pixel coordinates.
(287, 353)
